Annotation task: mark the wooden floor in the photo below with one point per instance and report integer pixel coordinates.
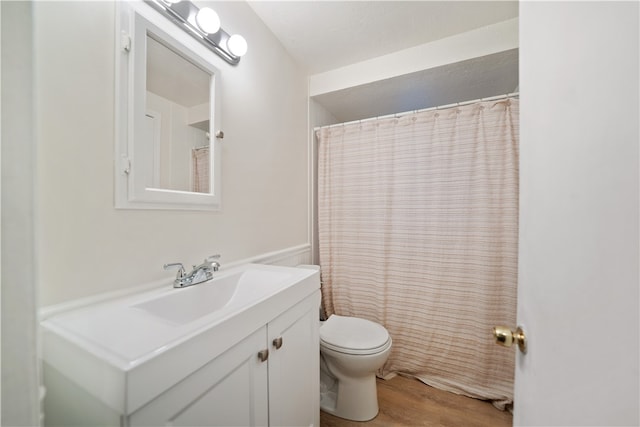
(408, 402)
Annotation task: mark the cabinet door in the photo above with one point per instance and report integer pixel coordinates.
(231, 390)
(294, 367)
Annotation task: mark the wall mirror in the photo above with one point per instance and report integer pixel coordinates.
(167, 155)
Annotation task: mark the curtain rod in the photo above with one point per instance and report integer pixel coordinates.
(439, 107)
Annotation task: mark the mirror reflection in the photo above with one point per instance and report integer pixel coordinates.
(177, 120)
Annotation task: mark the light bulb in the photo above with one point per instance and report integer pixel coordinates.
(208, 20)
(237, 45)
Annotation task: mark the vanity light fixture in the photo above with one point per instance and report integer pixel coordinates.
(203, 25)
(208, 20)
(237, 45)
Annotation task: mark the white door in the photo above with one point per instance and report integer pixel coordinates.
(578, 284)
(294, 365)
(230, 390)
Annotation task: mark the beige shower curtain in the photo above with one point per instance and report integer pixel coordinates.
(418, 230)
(200, 160)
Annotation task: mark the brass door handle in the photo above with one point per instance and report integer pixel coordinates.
(277, 343)
(506, 338)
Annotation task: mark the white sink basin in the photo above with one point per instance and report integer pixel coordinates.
(128, 350)
(137, 328)
(239, 289)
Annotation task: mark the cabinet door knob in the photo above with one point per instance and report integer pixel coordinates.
(277, 343)
(263, 355)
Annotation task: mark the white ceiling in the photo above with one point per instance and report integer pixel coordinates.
(323, 35)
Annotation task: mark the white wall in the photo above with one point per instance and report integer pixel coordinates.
(85, 245)
(579, 254)
(20, 376)
(483, 41)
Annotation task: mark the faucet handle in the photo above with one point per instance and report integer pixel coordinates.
(181, 272)
(212, 263)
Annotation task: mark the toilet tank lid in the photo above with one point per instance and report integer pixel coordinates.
(353, 333)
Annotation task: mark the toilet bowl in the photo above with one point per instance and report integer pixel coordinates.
(351, 351)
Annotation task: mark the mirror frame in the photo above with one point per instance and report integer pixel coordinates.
(133, 21)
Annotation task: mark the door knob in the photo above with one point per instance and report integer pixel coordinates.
(277, 343)
(505, 337)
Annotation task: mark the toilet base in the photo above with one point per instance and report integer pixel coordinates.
(351, 399)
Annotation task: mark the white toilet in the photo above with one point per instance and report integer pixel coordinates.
(351, 351)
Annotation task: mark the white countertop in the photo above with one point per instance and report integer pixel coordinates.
(120, 338)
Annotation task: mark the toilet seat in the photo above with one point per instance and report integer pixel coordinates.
(352, 335)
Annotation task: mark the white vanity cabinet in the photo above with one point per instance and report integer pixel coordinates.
(294, 367)
(231, 390)
(153, 360)
(238, 388)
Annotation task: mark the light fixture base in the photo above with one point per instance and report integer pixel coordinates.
(183, 14)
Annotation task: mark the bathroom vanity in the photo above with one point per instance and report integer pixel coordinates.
(241, 349)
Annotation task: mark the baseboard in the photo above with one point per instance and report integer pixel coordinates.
(289, 257)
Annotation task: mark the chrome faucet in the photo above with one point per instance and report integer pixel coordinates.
(200, 273)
